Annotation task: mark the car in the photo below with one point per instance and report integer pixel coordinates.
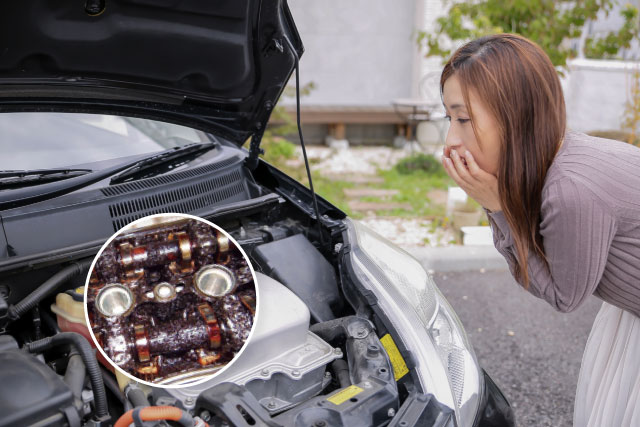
(115, 110)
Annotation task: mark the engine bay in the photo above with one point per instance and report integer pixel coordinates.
(315, 355)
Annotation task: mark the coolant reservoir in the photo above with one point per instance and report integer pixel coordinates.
(69, 309)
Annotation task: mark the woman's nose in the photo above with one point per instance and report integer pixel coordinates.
(453, 138)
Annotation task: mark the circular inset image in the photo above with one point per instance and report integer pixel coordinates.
(171, 300)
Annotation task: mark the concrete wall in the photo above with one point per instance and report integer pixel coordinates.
(357, 52)
(595, 93)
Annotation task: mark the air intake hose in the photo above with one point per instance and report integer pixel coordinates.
(88, 357)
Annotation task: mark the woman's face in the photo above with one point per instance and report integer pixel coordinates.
(486, 148)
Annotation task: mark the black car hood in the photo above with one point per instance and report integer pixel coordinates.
(215, 65)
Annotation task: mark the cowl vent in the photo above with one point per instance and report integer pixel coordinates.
(142, 184)
(184, 199)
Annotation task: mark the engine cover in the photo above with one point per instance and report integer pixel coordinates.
(284, 363)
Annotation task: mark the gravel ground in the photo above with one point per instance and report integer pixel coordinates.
(364, 161)
(409, 231)
(353, 160)
(530, 350)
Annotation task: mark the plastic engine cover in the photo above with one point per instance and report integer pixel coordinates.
(282, 355)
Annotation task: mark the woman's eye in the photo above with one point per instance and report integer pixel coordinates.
(463, 121)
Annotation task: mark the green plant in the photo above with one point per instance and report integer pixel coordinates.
(551, 24)
(420, 162)
(277, 149)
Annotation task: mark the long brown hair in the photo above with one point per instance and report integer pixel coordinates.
(515, 79)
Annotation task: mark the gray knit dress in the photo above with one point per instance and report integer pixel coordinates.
(590, 225)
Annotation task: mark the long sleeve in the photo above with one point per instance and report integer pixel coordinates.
(577, 229)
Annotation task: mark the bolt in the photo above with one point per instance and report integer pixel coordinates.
(372, 350)
(189, 400)
(264, 372)
(271, 405)
(367, 384)
(391, 412)
(337, 351)
(295, 373)
(320, 423)
(361, 332)
(94, 7)
(205, 415)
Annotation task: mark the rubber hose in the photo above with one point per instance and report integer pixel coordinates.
(88, 357)
(111, 384)
(341, 369)
(75, 374)
(157, 413)
(62, 276)
(136, 396)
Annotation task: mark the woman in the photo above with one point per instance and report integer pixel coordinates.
(564, 207)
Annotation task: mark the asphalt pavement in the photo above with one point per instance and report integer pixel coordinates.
(530, 350)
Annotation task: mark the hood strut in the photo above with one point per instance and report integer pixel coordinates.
(304, 150)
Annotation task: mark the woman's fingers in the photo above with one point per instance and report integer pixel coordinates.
(461, 169)
(474, 170)
(451, 170)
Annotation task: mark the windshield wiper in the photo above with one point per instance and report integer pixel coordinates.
(161, 159)
(12, 198)
(21, 178)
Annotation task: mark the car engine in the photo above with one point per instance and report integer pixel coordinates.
(311, 359)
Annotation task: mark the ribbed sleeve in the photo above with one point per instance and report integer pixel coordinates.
(590, 226)
(577, 231)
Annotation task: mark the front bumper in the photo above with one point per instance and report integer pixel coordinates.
(494, 409)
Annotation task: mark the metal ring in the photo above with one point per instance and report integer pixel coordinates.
(215, 280)
(114, 300)
(164, 292)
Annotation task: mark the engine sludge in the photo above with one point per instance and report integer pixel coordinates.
(171, 300)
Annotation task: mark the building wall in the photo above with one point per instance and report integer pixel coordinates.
(363, 52)
(595, 93)
(357, 52)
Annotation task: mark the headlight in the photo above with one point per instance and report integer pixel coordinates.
(424, 321)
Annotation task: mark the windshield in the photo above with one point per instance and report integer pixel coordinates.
(54, 140)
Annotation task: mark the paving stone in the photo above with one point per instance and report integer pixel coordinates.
(438, 197)
(356, 205)
(356, 179)
(369, 192)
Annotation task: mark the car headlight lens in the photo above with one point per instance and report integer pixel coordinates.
(423, 319)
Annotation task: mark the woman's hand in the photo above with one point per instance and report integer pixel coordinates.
(478, 184)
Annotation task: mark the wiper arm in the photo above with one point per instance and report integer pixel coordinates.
(13, 198)
(20, 178)
(161, 159)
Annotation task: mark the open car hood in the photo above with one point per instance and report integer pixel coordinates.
(219, 66)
